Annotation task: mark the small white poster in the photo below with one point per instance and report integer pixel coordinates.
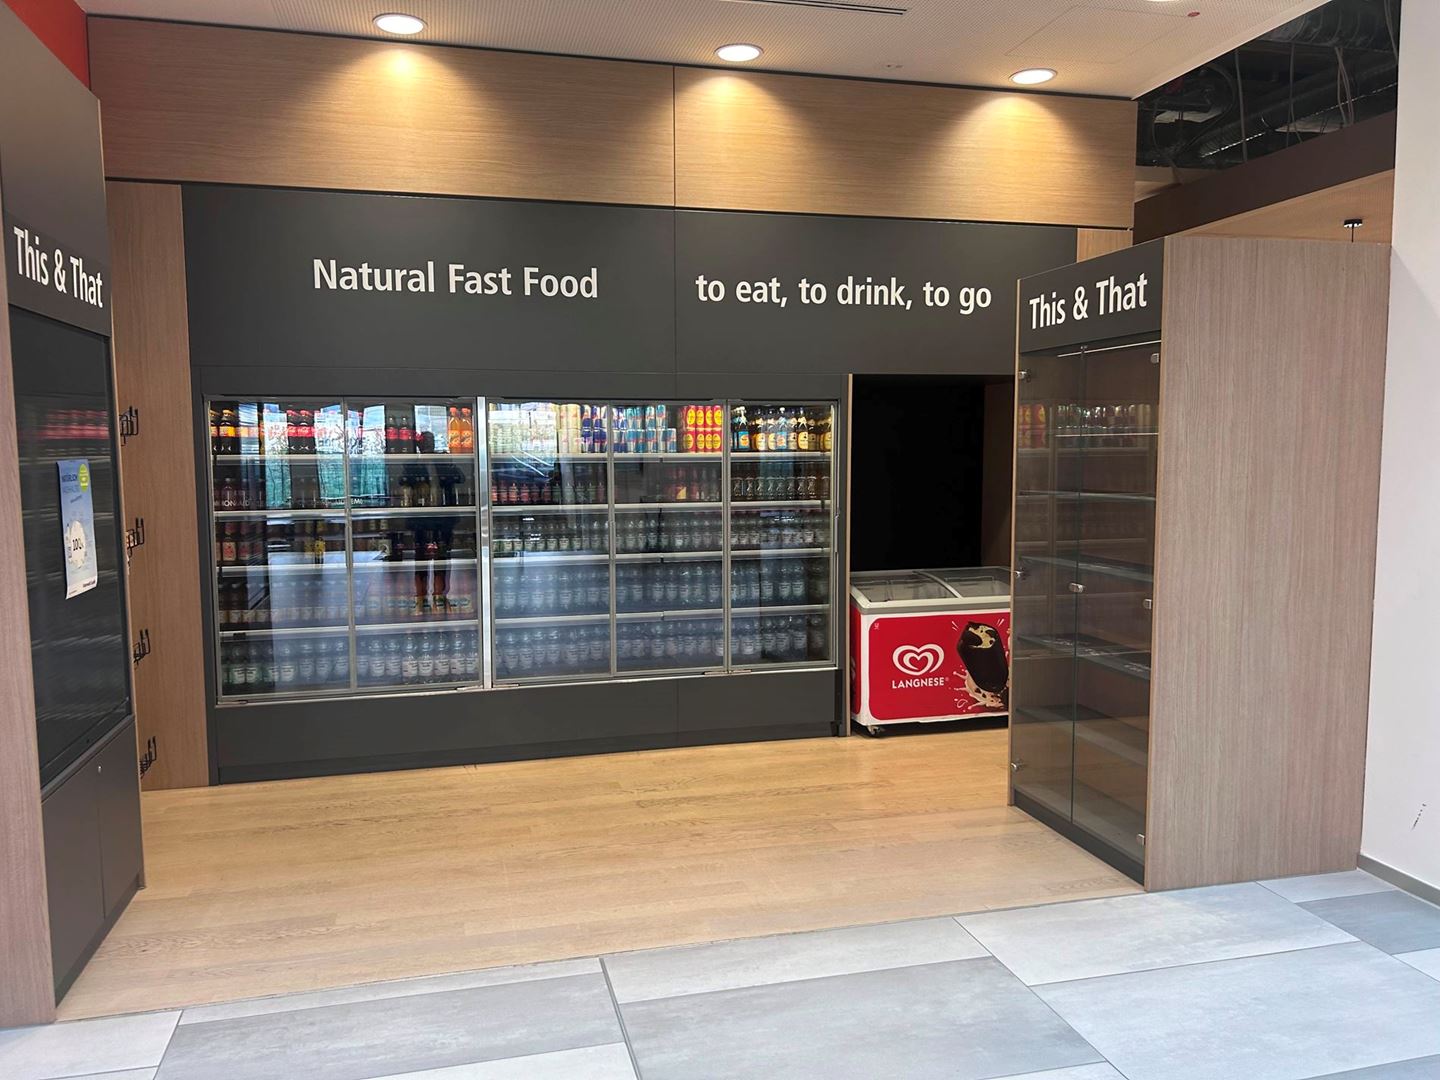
(77, 526)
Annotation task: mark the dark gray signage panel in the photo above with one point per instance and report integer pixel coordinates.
(770, 292)
(339, 280)
(52, 183)
(1113, 296)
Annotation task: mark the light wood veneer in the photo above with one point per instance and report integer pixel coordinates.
(204, 103)
(152, 373)
(1271, 403)
(750, 141)
(267, 888)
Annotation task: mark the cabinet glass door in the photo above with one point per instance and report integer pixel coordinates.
(278, 491)
(782, 554)
(550, 540)
(415, 584)
(1116, 421)
(669, 469)
(1048, 479)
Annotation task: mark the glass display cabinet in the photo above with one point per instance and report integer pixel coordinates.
(378, 545)
(1086, 446)
(346, 550)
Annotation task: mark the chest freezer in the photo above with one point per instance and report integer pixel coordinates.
(929, 645)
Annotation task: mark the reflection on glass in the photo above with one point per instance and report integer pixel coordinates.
(782, 559)
(670, 643)
(411, 454)
(1084, 537)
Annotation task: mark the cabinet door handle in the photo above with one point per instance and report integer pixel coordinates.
(1076, 587)
(1148, 604)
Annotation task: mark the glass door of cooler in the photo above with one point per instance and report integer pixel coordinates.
(414, 526)
(669, 515)
(277, 485)
(781, 543)
(1044, 603)
(549, 473)
(1115, 423)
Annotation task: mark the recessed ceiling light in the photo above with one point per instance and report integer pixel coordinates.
(738, 53)
(1033, 76)
(395, 23)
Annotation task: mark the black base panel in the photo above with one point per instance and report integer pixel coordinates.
(66, 979)
(1128, 866)
(325, 738)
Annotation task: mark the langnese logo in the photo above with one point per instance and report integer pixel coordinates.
(919, 662)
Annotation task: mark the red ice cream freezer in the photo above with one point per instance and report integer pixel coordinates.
(929, 645)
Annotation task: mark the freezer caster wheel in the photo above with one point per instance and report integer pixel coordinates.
(875, 731)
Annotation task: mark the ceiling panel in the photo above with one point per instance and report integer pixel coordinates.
(1117, 47)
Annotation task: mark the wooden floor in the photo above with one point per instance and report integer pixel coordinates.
(260, 889)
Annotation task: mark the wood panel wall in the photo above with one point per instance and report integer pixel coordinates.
(204, 103)
(152, 363)
(225, 105)
(1090, 243)
(749, 141)
(1272, 392)
(1320, 215)
(27, 987)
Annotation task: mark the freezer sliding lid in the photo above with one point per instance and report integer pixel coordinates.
(919, 590)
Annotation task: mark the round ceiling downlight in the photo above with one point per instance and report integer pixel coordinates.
(395, 23)
(1033, 76)
(738, 53)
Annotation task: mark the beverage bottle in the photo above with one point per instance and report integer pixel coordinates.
(285, 666)
(685, 587)
(324, 664)
(409, 661)
(570, 648)
(713, 597)
(472, 656)
(454, 442)
(655, 587)
(394, 661)
(552, 648)
(792, 432)
(442, 657)
(425, 660)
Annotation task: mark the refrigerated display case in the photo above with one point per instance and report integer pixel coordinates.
(346, 546)
(616, 527)
(366, 546)
(929, 646)
(1087, 437)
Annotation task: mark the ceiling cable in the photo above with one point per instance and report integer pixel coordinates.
(1240, 90)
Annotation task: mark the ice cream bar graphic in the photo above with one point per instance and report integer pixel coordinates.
(988, 670)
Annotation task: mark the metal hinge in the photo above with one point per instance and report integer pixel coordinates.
(1148, 604)
(141, 648)
(129, 424)
(1076, 587)
(1154, 358)
(1023, 374)
(148, 759)
(134, 538)
(1140, 838)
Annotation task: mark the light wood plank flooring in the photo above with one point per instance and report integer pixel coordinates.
(260, 889)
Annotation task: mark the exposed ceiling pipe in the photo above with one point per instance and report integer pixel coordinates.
(1346, 26)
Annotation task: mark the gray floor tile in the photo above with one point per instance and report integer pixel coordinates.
(398, 1035)
(1427, 960)
(115, 1044)
(1300, 890)
(1394, 921)
(1090, 938)
(609, 1062)
(1419, 1069)
(1078, 1072)
(465, 980)
(729, 965)
(961, 1020)
(1288, 1016)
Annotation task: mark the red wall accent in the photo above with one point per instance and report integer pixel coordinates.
(60, 24)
